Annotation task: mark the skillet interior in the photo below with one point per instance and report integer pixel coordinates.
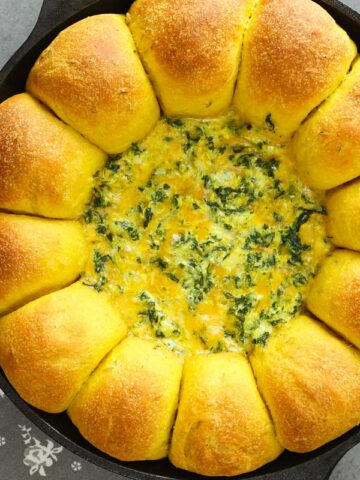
(316, 465)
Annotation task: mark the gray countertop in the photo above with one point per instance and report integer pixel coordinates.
(25, 452)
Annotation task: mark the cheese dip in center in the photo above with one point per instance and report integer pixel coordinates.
(204, 236)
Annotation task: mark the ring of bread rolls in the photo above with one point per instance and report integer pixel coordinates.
(283, 65)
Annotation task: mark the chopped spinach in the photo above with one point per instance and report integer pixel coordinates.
(99, 261)
(148, 217)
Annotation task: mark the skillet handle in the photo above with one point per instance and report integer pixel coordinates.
(321, 463)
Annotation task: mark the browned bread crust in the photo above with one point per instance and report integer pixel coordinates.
(334, 295)
(92, 78)
(294, 56)
(191, 49)
(46, 167)
(49, 347)
(310, 381)
(127, 407)
(327, 147)
(222, 426)
(37, 256)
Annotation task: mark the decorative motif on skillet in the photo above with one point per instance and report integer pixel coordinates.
(214, 408)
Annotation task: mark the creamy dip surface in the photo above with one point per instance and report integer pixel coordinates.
(204, 236)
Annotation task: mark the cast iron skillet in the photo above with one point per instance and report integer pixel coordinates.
(54, 17)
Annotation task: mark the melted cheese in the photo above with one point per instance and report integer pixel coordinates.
(204, 236)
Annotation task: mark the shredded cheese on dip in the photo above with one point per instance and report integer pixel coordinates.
(204, 236)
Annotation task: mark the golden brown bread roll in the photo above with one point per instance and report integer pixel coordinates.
(37, 256)
(46, 168)
(127, 406)
(92, 78)
(334, 294)
(327, 147)
(191, 49)
(294, 56)
(310, 381)
(49, 347)
(343, 221)
(222, 426)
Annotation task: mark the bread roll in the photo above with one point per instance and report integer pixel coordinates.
(327, 146)
(222, 426)
(92, 78)
(191, 49)
(294, 56)
(310, 381)
(127, 407)
(334, 294)
(49, 347)
(46, 168)
(343, 221)
(37, 256)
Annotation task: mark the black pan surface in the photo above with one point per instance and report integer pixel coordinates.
(54, 17)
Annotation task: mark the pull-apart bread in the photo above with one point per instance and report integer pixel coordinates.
(46, 167)
(127, 407)
(334, 295)
(37, 256)
(191, 51)
(343, 224)
(327, 147)
(294, 56)
(49, 347)
(310, 381)
(222, 426)
(92, 78)
(157, 272)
